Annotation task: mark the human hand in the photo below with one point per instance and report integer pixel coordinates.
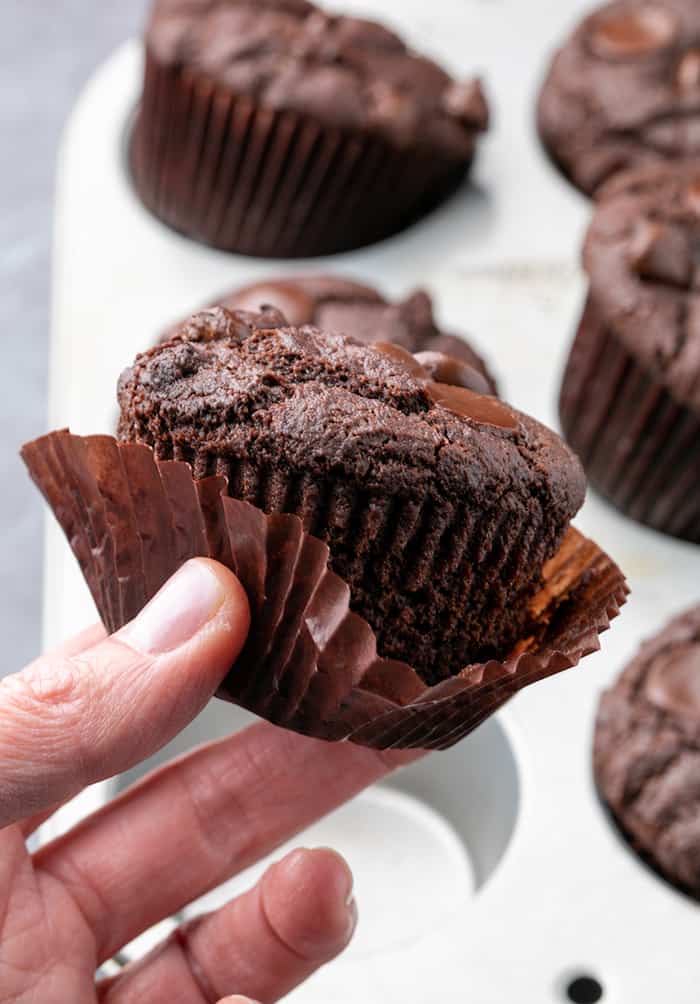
(95, 708)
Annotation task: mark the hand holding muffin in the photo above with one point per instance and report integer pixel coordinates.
(100, 705)
(404, 541)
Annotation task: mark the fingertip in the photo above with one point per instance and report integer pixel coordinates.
(333, 870)
(308, 899)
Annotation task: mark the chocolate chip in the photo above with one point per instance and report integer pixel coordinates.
(467, 404)
(214, 325)
(465, 101)
(665, 135)
(402, 356)
(289, 298)
(390, 105)
(630, 34)
(417, 311)
(692, 199)
(688, 72)
(673, 682)
(662, 252)
(447, 369)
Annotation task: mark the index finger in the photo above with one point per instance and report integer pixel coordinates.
(190, 826)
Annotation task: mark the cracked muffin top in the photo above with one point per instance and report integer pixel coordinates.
(243, 385)
(647, 750)
(343, 71)
(333, 303)
(642, 255)
(624, 90)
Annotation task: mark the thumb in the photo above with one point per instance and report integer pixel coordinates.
(68, 721)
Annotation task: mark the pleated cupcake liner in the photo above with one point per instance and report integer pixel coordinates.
(310, 664)
(472, 571)
(234, 174)
(640, 446)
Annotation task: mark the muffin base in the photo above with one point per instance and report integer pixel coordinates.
(310, 664)
(639, 446)
(411, 561)
(241, 177)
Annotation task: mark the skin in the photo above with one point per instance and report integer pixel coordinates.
(96, 707)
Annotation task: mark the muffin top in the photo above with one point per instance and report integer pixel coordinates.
(642, 255)
(625, 90)
(247, 386)
(647, 748)
(344, 71)
(351, 308)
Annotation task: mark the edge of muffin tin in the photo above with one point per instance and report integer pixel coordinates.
(567, 897)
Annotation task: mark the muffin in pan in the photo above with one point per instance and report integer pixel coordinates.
(624, 91)
(403, 540)
(647, 751)
(630, 397)
(275, 129)
(352, 308)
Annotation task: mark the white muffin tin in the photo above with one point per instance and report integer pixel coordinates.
(490, 873)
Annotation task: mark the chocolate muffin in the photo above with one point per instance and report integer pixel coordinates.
(335, 304)
(439, 505)
(630, 398)
(624, 91)
(647, 751)
(269, 127)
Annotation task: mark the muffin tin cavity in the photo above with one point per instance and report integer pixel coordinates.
(421, 845)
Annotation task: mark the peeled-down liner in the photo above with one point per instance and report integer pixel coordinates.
(309, 664)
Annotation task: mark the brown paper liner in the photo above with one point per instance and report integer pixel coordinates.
(640, 447)
(310, 664)
(241, 177)
(470, 570)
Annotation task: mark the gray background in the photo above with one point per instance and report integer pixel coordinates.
(47, 51)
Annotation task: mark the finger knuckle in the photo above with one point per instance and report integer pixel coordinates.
(51, 689)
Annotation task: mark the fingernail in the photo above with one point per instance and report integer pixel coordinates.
(181, 608)
(348, 893)
(352, 918)
(346, 870)
(237, 1000)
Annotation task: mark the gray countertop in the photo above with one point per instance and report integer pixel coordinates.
(46, 55)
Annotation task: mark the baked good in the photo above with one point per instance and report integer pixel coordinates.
(630, 398)
(270, 127)
(624, 91)
(439, 505)
(647, 751)
(351, 308)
